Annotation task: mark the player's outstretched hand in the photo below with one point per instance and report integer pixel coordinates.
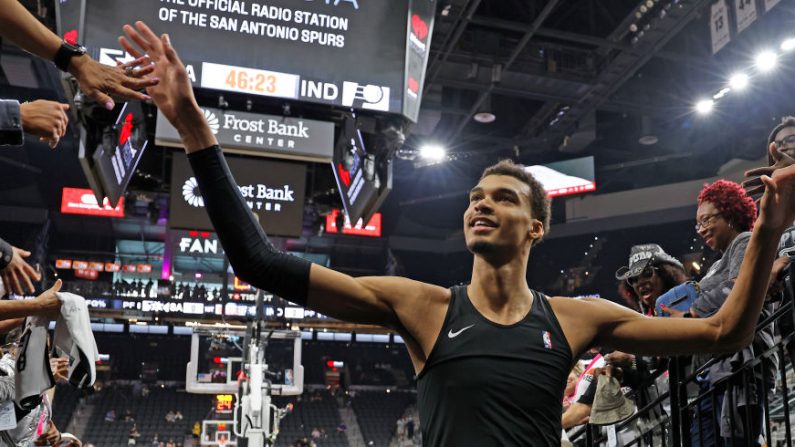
(173, 92)
(777, 206)
(754, 185)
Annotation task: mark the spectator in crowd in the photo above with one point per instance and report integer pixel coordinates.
(171, 442)
(571, 385)
(155, 440)
(579, 412)
(650, 273)
(315, 433)
(400, 428)
(781, 154)
(170, 417)
(178, 416)
(197, 430)
(410, 428)
(128, 416)
(724, 219)
(24, 434)
(110, 416)
(132, 439)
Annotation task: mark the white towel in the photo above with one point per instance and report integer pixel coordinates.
(73, 337)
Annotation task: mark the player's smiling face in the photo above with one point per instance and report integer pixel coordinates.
(498, 214)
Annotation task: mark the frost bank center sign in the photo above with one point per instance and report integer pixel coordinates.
(258, 134)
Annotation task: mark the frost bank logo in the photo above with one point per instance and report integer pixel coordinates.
(212, 121)
(191, 194)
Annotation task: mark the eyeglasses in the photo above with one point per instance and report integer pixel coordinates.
(706, 221)
(645, 275)
(788, 141)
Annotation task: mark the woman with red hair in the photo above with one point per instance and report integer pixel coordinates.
(724, 219)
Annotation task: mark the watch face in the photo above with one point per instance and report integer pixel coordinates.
(75, 48)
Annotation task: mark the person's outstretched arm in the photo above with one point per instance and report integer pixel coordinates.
(381, 300)
(46, 305)
(96, 80)
(603, 323)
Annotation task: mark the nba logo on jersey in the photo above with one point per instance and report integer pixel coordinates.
(547, 339)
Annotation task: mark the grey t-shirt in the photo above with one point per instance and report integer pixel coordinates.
(718, 283)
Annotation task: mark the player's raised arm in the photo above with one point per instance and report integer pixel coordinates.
(253, 257)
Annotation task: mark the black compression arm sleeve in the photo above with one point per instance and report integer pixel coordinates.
(253, 257)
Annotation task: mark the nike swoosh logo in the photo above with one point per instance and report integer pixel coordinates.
(455, 334)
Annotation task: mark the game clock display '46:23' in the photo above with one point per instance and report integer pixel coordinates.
(249, 80)
(260, 83)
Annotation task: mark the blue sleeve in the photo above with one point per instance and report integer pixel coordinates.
(10, 123)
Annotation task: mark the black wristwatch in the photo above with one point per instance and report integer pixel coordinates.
(66, 53)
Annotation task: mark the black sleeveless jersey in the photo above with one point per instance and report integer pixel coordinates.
(486, 384)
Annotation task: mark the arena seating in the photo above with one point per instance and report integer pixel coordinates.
(148, 413)
(377, 412)
(313, 410)
(64, 404)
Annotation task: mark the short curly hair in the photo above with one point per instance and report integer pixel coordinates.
(732, 201)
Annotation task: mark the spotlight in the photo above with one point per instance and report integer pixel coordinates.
(704, 106)
(788, 45)
(738, 81)
(766, 61)
(433, 152)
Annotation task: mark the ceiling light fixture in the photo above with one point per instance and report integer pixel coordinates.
(766, 61)
(738, 81)
(433, 152)
(485, 115)
(704, 106)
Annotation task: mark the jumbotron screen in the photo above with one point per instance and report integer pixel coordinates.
(361, 54)
(563, 178)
